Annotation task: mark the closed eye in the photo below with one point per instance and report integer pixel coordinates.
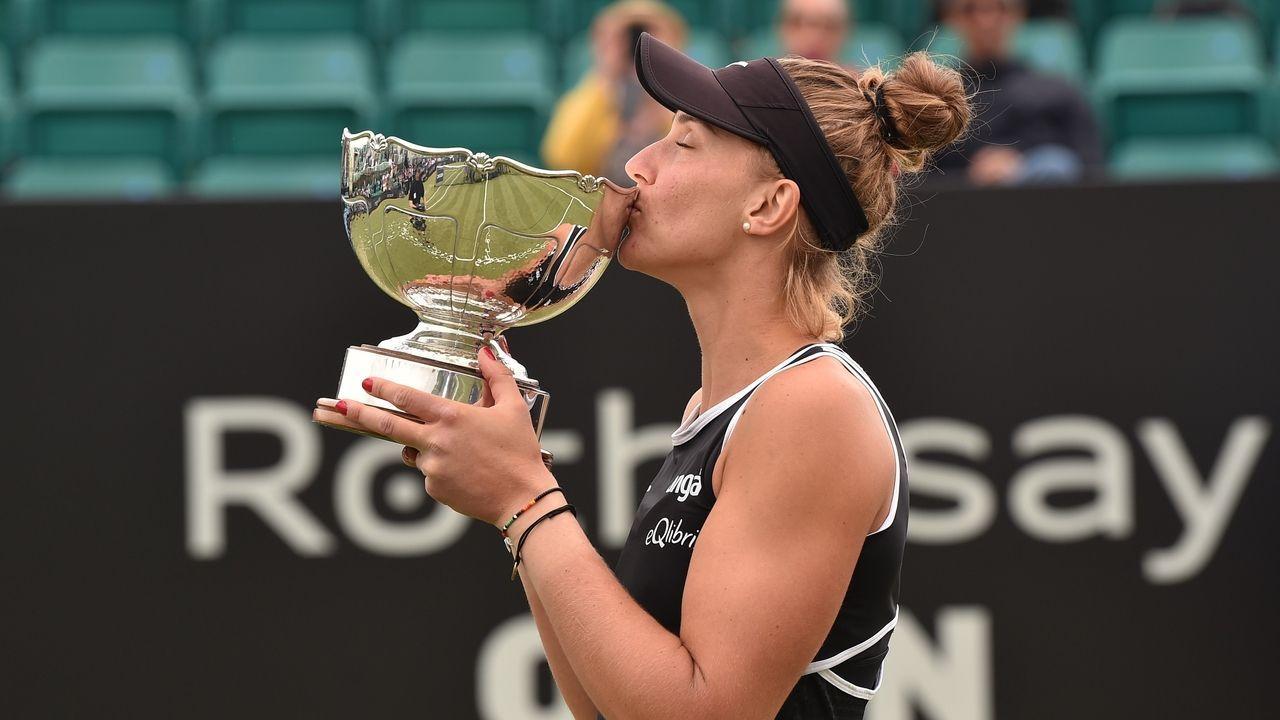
(683, 145)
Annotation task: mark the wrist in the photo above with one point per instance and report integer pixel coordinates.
(535, 493)
(528, 517)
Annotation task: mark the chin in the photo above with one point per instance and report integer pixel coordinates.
(631, 256)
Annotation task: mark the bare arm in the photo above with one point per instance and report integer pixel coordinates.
(810, 467)
(574, 695)
(571, 689)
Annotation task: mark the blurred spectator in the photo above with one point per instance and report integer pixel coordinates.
(1031, 126)
(598, 125)
(815, 29)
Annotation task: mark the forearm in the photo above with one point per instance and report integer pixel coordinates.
(629, 665)
(575, 696)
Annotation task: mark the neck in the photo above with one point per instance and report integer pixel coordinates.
(742, 331)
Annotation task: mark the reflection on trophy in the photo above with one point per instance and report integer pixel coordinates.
(473, 245)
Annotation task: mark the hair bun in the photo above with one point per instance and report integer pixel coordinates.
(927, 102)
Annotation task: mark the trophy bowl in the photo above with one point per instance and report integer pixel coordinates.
(471, 244)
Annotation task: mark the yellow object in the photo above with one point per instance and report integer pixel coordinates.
(583, 128)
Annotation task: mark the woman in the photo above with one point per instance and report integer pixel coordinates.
(607, 117)
(761, 576)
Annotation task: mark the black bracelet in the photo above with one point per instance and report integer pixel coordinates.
(515, 565)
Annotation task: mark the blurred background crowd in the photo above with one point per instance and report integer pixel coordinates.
(141, 99)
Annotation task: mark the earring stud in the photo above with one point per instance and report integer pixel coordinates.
(746, 227)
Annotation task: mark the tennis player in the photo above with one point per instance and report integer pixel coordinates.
(761, 575)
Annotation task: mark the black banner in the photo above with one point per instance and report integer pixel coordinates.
(1085, 380)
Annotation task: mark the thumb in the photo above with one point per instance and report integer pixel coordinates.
(501, 383)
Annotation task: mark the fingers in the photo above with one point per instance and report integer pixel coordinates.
(409, 456)
(501, 383)
(375, 420)
(416, 402)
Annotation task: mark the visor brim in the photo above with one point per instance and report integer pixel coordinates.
(679, 82)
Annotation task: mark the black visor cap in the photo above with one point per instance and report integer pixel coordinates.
(757, 100)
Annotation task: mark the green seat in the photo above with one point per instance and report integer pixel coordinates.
(1093, 15)
(1204, 157)
(1053, 46)
(477, 16)
(1186, 77)
(78, 179)
(453, 90)
(870, 43)
(941, 43)
(7, 113)
(1272, 118)
(100, 97)
(709, 48)
(287, 96)
(1049, 45)
(107, 17)
(8, 25)
(252, 178)
(291, 17)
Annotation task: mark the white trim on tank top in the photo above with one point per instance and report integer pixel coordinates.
(886, 418)
(834, 660)
(696, 421)
(855, 690)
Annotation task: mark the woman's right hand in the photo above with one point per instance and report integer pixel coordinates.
(612, 215)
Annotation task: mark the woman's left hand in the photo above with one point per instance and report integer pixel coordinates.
(482, 460)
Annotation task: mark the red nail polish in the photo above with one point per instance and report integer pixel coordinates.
(488, 351)
(367, 385)
(341, 407)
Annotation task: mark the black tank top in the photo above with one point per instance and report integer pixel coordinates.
(655, 559)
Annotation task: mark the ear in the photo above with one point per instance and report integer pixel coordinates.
(774, 208)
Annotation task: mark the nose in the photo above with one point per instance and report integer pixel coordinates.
(640, 167)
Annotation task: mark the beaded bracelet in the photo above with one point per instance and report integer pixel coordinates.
(528, 505)
(515, 565)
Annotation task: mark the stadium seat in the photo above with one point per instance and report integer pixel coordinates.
(1272, 118)
(1273, 104)
(287, 96)
(1053, 46)
(78, 179)
(1049, 45)
(107, 17)
(1207, 157)
(8, 29)
(100, 97)
(364, 18)
(7, 113)
(258, 177)
(870, 43)
(1186, 77)
(709, 48)
(450, 90)
(477, 16)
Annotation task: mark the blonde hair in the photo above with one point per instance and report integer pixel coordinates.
(824, 291)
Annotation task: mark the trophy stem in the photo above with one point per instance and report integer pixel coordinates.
(443, 340)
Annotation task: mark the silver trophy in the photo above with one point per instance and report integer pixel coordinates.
(473, 245)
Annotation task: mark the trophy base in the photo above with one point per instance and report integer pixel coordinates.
(452, 382)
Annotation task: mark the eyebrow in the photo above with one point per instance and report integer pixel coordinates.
(684, 117)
